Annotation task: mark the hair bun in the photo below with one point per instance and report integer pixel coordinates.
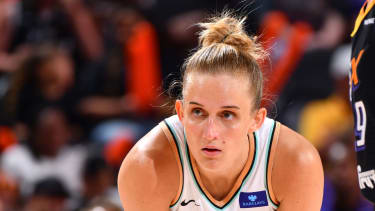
(229, 30)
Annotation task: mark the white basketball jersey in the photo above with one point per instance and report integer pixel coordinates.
(252, 190)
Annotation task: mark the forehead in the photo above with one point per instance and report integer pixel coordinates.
(220, 89)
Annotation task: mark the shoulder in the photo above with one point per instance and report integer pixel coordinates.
(148, 177)
(295, 148)
(297, 171)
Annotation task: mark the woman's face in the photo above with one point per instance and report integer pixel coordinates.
(217, 114)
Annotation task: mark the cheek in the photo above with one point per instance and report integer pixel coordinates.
(233, 137)
(232, 126)
(236, 128)
(235, 134)
(193, 131)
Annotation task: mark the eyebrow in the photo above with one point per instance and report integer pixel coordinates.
(228, 106)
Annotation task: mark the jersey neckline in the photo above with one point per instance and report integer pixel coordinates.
(245, 173)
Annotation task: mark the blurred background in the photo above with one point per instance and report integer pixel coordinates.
(82, 80)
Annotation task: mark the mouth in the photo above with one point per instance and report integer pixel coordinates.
(211, 151)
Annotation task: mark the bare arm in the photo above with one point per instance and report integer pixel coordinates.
(85, 28)
(147, 178)
(297, 178)
(9, 62)
(5, 27)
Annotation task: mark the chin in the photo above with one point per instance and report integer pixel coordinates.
(210, 164)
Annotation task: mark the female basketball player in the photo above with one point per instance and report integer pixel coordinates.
(221, 152)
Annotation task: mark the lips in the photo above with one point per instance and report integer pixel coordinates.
(211, 151)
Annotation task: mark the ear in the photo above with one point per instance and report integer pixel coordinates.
(179, 109)
(258, 120)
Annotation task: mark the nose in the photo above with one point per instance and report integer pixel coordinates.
(210, 131)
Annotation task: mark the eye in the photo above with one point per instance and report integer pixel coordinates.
(197, 112)
(228, 115)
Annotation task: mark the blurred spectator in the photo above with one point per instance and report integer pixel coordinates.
(66, 23)
(330, 116)
(287, 42)
(124, 102)
(301, 48)
(98, 182)
(24, 25)
(341, 187)
(138, 59)
(46, 78)
(48, 152)
(49, 194)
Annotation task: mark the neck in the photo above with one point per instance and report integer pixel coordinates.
(219, 182)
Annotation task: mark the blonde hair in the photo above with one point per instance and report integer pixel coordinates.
(225, 47)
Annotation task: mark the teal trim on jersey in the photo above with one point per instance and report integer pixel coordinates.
(255, 158)
(246, 178)
(179, 149)
(192, 172)
(268, 148)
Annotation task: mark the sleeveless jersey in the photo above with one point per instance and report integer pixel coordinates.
(252, 190)
(362, 96)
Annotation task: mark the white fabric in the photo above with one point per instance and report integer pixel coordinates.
(20, 164)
